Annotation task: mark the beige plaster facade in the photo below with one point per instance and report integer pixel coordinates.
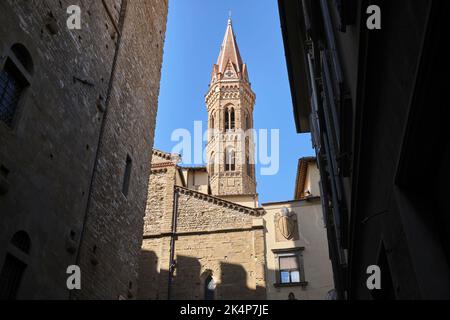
(302, 236)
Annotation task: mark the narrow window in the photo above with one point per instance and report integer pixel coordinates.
(11, 277)
(230, 160)
(211, 165)
(210, 288)
(14, 78)
(232, 121)
(22, 241)
(127, 176)
(247, 157)
(13, 268)
(227, 119)
(12, 84)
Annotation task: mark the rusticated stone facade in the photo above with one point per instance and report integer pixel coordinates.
(211, 237)
(83, 125)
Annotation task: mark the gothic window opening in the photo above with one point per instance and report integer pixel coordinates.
(13, 268)
(23, 56)
(249, 166)
(229, 119)
(11, 277)
(210, 288)
(14, 79)
(232, 124)
(230, 160)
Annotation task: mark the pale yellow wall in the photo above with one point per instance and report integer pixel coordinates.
(312, 236)
(312, 179)
(196, 180)
(250, 201)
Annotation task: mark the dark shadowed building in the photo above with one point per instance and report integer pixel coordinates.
(77, 117)
(374, 102)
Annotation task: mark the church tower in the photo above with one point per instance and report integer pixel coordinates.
(230, 102)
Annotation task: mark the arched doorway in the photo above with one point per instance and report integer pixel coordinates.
(210, 288)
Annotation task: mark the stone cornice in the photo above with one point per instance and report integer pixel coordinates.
(221, 202)
(162, 154)
(161, 167)
(199, 232)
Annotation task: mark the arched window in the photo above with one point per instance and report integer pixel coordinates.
(232, 124)
(15, 76)
(247, 121)
(22, 241)
(23, 56)
(229, 119)
(210, 288)
(211, 123)
(247, 145)
(13, 267)
(230, 160)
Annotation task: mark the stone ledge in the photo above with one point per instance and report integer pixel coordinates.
(292, 284)
(196, 233)
(221, 202)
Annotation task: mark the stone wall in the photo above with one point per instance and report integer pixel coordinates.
(214, 237)
(115, 221)
(78, 111)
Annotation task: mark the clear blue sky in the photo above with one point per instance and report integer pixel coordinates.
(195, 31)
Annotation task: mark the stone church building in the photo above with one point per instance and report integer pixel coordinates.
(205, 234)
(203, 230)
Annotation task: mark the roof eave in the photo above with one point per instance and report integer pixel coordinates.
(294, 35)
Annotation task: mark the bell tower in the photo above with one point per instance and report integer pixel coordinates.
(230, 102)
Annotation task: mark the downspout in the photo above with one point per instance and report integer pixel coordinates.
(172, 262)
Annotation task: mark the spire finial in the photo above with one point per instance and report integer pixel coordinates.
(229, 17)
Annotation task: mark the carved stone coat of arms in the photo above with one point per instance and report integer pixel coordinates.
(286, 225)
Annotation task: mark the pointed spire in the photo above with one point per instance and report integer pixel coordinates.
(229, 51)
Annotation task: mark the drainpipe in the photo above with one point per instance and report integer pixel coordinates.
(172, 262)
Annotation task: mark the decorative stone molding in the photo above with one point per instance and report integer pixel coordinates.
(221, 202)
